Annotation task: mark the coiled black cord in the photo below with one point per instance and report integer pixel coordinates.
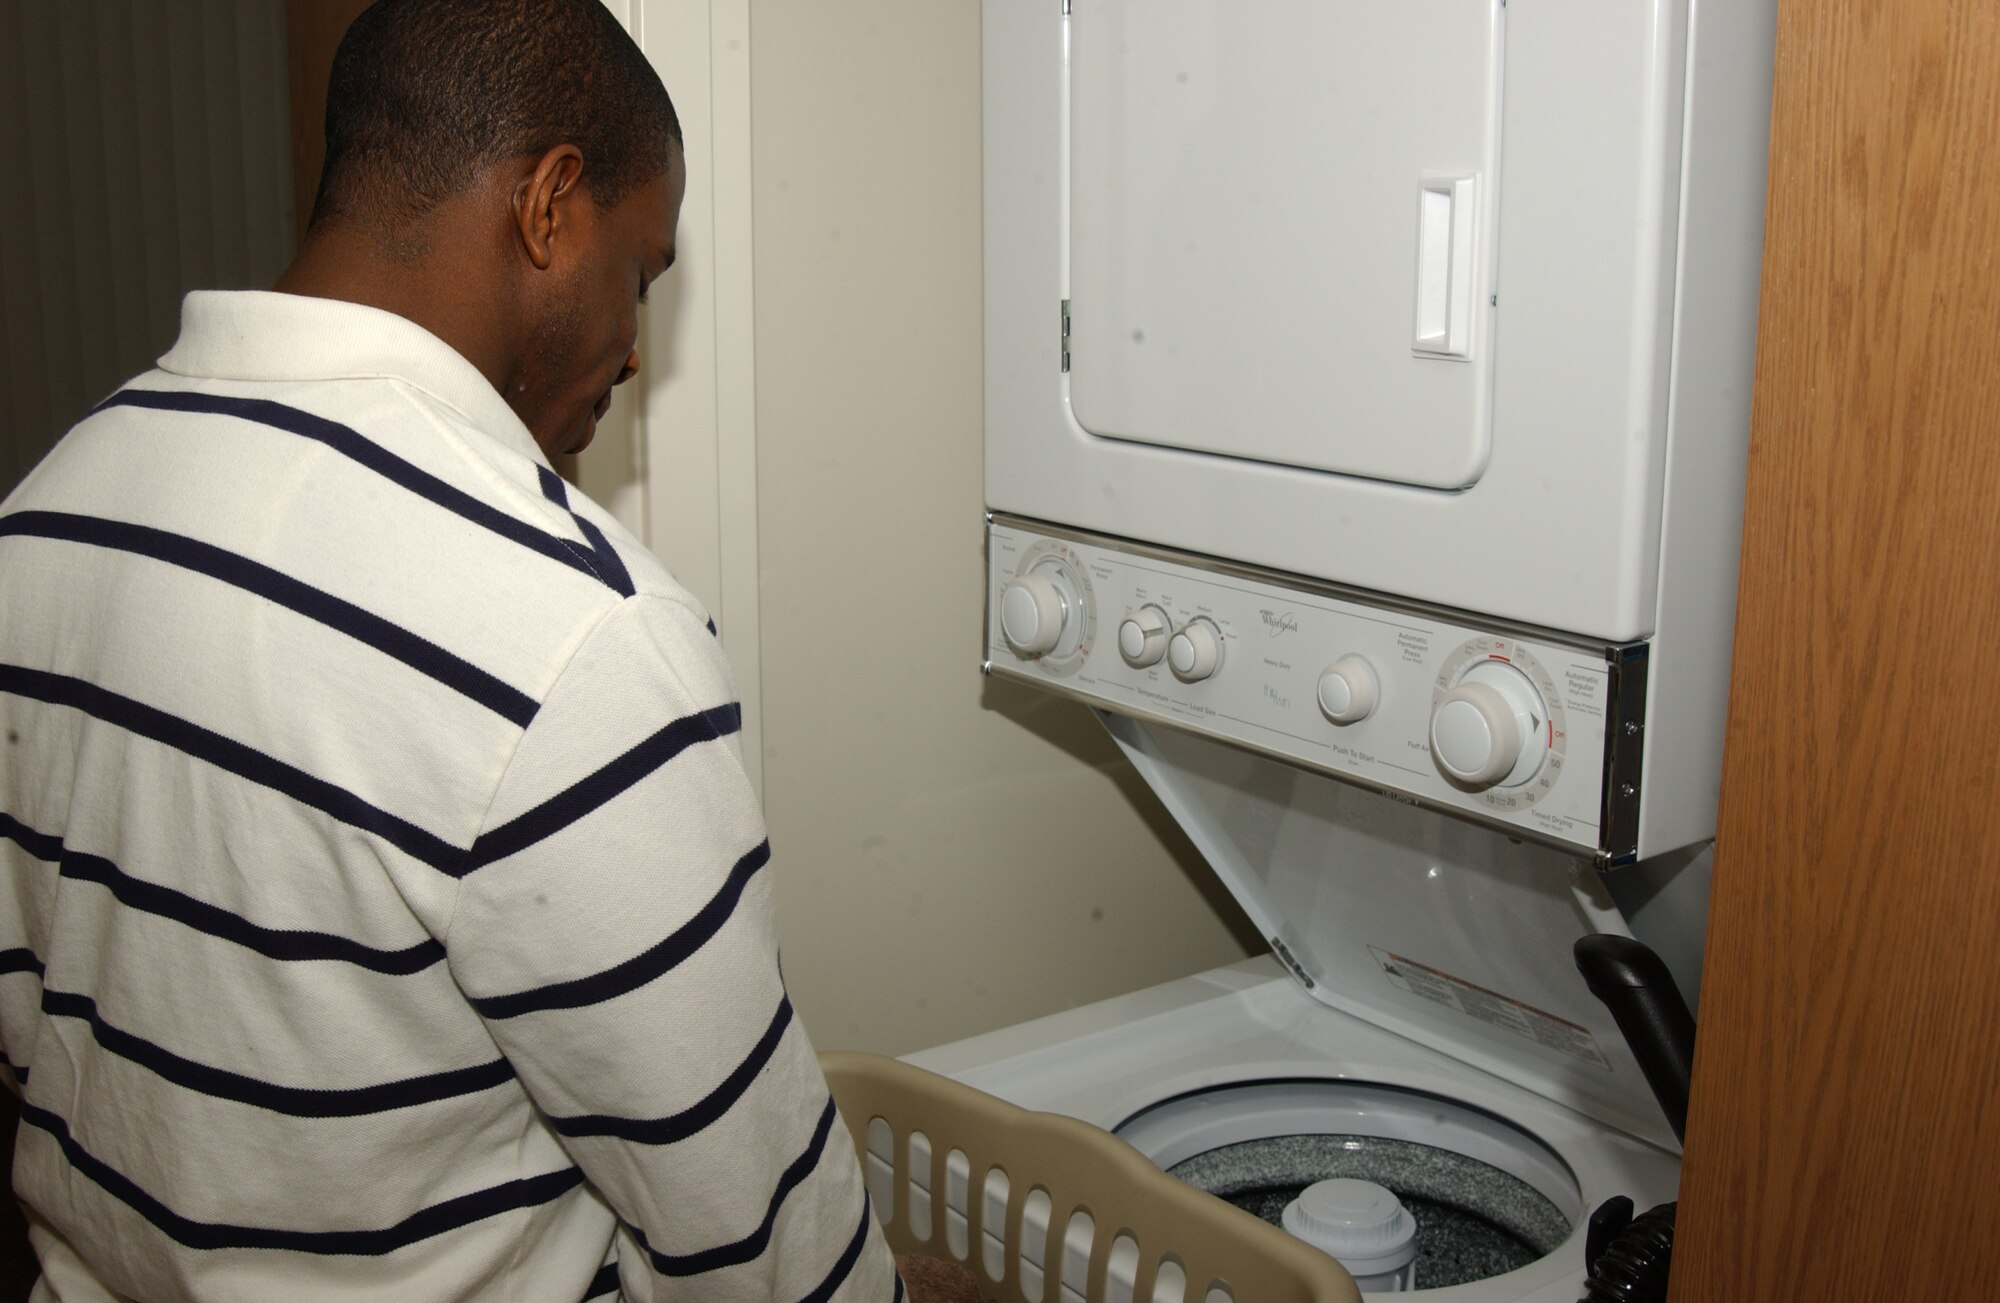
(1633, 1266)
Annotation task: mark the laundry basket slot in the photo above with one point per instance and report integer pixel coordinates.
(1060, 1211)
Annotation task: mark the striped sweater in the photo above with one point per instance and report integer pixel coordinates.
(384, 913)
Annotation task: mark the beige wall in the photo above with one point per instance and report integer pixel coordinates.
(955, 854)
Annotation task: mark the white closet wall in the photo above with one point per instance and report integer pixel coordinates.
(954, 853)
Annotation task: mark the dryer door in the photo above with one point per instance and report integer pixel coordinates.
(1281, 230)
(1241, 271)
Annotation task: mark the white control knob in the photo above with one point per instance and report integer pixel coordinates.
(1142, 638)
(1032, 611)
(1489, 728)
(1348, 690)
(1196, 651)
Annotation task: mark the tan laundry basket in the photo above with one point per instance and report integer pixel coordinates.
(1109, 1216)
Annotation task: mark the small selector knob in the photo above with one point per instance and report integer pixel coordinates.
(1195, 652)
(1142, 636)
(1032, 611)
(1348, 690)
(1489, 728)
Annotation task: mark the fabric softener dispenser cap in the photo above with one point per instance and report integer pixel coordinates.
(1364, 1226)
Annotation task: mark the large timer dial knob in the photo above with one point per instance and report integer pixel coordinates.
(1195, 652)
(1491, 728)
(1033, 609)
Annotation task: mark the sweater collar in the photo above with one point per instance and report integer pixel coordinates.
(263, 335)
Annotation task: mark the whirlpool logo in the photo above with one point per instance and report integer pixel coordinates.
(1277, 623)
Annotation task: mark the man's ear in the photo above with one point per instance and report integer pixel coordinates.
(541, 202)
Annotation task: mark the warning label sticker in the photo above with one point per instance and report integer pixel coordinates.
(1492, 1008)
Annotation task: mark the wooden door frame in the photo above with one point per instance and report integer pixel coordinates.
(1847, 1064)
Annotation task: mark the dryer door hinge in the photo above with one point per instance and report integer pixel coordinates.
(1065, 334)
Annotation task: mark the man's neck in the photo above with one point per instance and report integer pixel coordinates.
(446, 286)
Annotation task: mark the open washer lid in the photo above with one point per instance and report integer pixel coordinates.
(1448, 933)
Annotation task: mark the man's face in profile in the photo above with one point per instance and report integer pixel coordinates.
(584, 343)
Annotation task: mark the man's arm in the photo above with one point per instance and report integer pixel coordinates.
(615, 930)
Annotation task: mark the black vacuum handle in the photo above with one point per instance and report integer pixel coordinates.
(1635, 985)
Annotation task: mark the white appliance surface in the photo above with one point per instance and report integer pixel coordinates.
(1268, 241)
(1367, 402)
(1280, 649)
(1107, 1062)
(1449, 300)
(1191, 127)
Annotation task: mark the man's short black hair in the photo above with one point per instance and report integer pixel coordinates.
(427, 94)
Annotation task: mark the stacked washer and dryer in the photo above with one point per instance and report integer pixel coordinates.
(1368, 391)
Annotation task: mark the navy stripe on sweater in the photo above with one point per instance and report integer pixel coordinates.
(751, 1246)
(845, 1266)
(243, 761)
(41, 845)
(603, 557)
(292, 1101)
(606, 785)
(392, 640)
(604, 1282)
(20, 960)
(354, 446)
(642, 967)
(286, 944)
(423, 1224)
(609, 567)
(709, 1109)
(545, 820)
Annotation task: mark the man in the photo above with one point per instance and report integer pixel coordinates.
(383, 910)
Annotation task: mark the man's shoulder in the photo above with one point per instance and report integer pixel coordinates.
(649, 575)
(371, 489)
(598, 545)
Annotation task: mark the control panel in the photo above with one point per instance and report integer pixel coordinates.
(1511, 727)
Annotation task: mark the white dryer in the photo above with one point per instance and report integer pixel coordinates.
(1367, 402)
